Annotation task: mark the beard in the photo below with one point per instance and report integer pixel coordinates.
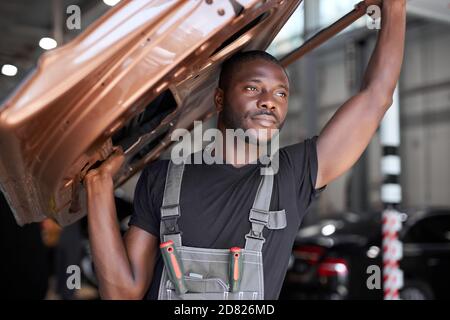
(237, 120)
(232, 120)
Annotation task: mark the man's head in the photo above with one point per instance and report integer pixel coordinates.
(253, 93)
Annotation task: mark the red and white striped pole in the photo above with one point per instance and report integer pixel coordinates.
(392, 253)
(391, 196)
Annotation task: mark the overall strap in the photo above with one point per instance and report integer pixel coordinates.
(259, 214)
(170, 210)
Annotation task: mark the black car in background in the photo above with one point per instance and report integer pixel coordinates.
(426, 252)
(330, 259)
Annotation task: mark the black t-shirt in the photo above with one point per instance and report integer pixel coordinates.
(215, 203)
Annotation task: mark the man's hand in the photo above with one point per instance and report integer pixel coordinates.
(347, 134)
(107, 169)
(371, 2)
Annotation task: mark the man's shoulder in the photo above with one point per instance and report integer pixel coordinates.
(299, 147)
(297, 155)
(293, 150)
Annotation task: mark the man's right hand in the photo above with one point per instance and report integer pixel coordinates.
(124, 267)
(108, 168)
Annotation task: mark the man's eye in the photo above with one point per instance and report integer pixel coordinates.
(249, 88)
(282, 94)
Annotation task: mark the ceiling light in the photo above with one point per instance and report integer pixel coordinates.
(47, 43)
(9, 70)
(111, 3)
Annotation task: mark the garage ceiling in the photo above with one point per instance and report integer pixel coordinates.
(23, 23)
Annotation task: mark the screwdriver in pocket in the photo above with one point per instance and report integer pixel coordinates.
(173, 264)
(235, 268)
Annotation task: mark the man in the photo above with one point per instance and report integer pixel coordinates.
(215, 199)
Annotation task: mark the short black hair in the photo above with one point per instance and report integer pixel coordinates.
(238, 59)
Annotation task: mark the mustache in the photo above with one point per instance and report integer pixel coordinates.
(264, 112)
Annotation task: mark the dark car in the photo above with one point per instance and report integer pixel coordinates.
(426, 251)
(332, 259)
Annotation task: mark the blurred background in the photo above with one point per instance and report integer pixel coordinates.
(341, 236)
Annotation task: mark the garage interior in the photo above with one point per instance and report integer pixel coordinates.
(345, 222)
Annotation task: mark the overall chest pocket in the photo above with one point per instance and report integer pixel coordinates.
(195, 285)
(209, 289)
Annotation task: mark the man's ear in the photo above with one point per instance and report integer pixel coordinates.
(219, 99)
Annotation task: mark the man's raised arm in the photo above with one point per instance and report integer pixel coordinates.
(348, 133)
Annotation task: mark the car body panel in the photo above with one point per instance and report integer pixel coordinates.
(66, 116)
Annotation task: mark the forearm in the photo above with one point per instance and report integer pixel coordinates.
(113, 268)
(384, 66)
(347, 134)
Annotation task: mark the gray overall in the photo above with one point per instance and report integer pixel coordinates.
(206, 271)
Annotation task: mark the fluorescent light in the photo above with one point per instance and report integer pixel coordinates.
(9, 70)
(328, 230)
(47, 43)
(111, 3)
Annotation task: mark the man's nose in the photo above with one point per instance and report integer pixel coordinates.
(266, 101)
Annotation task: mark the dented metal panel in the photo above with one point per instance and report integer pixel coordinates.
(143, 69)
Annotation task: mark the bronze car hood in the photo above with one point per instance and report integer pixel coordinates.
(141, 70)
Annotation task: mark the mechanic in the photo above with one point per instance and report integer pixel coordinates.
(215, 199)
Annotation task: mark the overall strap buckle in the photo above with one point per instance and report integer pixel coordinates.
(255, 239)
(169, 218)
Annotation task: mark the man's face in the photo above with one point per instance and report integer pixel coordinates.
(256, 98)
